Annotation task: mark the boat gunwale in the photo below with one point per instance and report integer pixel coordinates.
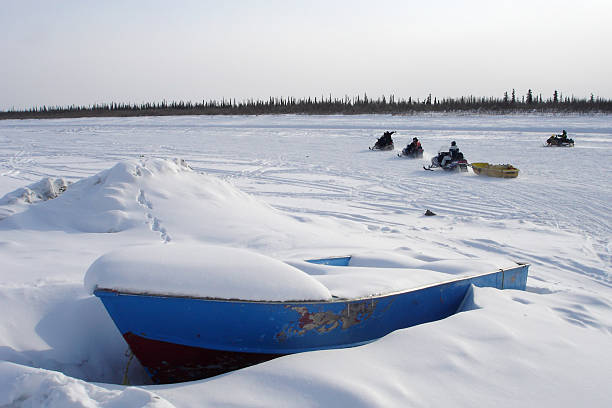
(117, 292)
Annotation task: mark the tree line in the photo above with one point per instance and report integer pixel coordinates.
(509, 103)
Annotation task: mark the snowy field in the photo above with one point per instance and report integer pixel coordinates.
(296, 187)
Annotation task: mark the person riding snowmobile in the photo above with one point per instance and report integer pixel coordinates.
(384, 141)
(560, 140)
(449, 160)
(413, 147)
(453, 154)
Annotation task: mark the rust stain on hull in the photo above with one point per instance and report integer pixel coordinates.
(326, 321)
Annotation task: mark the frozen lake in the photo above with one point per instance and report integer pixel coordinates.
(318, 171)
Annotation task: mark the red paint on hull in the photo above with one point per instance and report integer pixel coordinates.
(170, 363)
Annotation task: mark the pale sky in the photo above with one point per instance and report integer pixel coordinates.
(84, 52)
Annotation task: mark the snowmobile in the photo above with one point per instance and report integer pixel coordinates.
(456, 162)
(412, 154)
(385, 142)
(559, 141)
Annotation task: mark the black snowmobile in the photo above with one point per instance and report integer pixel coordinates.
(448, 161)
(560, 140)
(385, 142)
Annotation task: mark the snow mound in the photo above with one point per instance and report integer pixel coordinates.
(32, 387)
(46, 189)
(105, 202)
(43, 190)
(165, 195)
(202, 271)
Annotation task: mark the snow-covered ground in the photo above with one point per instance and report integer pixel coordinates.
(296, 187)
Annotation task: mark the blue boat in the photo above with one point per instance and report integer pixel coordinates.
(180, 338)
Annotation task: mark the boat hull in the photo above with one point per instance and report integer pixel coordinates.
(181, 338)
(168, 362)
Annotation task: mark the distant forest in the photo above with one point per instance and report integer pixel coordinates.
(509, 103)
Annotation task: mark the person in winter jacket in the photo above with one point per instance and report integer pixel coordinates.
(453, 149)
(384, 140)
(414, 146)
(453, 152)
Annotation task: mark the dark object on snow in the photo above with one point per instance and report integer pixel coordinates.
(452, 160)
(560, 140)
(429, 213)
(413, 150)
(385, 142)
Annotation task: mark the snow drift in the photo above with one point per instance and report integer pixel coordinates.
(167, 197)
(32, 387)
(46, 189)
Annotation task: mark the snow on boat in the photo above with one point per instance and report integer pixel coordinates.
(226, 308)
(495, 170)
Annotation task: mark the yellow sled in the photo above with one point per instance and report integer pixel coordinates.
(495, 170)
